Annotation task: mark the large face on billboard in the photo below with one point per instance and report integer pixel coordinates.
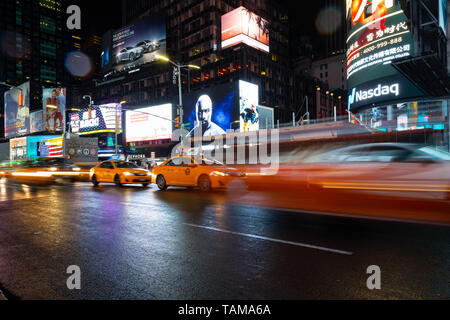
(243, 26)
(138, 43)
(17, 111)
(96, 119)
(147, 124)
(378, 33)
(54, 103)
(210, 110)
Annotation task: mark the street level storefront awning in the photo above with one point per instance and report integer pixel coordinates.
(427, 73)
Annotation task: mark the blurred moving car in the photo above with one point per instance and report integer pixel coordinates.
(44, 170)
(378, 179)
(120, 173)
(129, 54)
(187, 172)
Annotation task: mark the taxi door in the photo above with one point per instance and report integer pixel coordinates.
(106, 172)
(186, 173)
(171, 171)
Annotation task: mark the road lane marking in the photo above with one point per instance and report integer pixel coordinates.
(298, 244)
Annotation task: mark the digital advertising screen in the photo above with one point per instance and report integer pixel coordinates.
(54, 104)
(37, 121)
(378, 33)
(97, 119)
(51, 148)
(33, 146)
(151, 123)
(211, 109)
(243, 26)
(17, 111)
(18, 149)
(138, 43)
(248, 106)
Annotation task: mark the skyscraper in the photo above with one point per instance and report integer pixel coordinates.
(34, 43)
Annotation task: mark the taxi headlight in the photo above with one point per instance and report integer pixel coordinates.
(219, 173)
(53, 169)
(76, 169)
(127, 173)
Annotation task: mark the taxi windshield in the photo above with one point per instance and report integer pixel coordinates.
(210, 162)
(126, 165)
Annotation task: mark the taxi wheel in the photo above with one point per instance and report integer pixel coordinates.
(161, 182)
(94, 181)
(117, 181)
(204, 183)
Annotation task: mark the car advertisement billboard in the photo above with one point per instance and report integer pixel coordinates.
(37, 121)
(151, 123)
(243, 26)
(97, 119)
(17, 111)
(54, 104)
(138, 43)
(378, 33)
(211, 109)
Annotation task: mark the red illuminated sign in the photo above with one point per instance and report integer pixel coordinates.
(243, 26)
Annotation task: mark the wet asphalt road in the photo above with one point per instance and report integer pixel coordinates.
(136, 243)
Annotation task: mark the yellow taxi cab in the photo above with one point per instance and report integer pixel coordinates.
(188, 172)
(120, 173)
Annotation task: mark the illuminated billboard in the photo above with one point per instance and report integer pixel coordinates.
(54, 104)
(243, 26)
(37, 121)
(138, 43)
(248, 104)
(151, 123)
(34, 146)
(17, 111)
(51, 148)
(378, 33)
(97, 119)
(211, 109)
(18, 149)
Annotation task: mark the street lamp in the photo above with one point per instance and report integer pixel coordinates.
(178, 66)
(180, 94)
